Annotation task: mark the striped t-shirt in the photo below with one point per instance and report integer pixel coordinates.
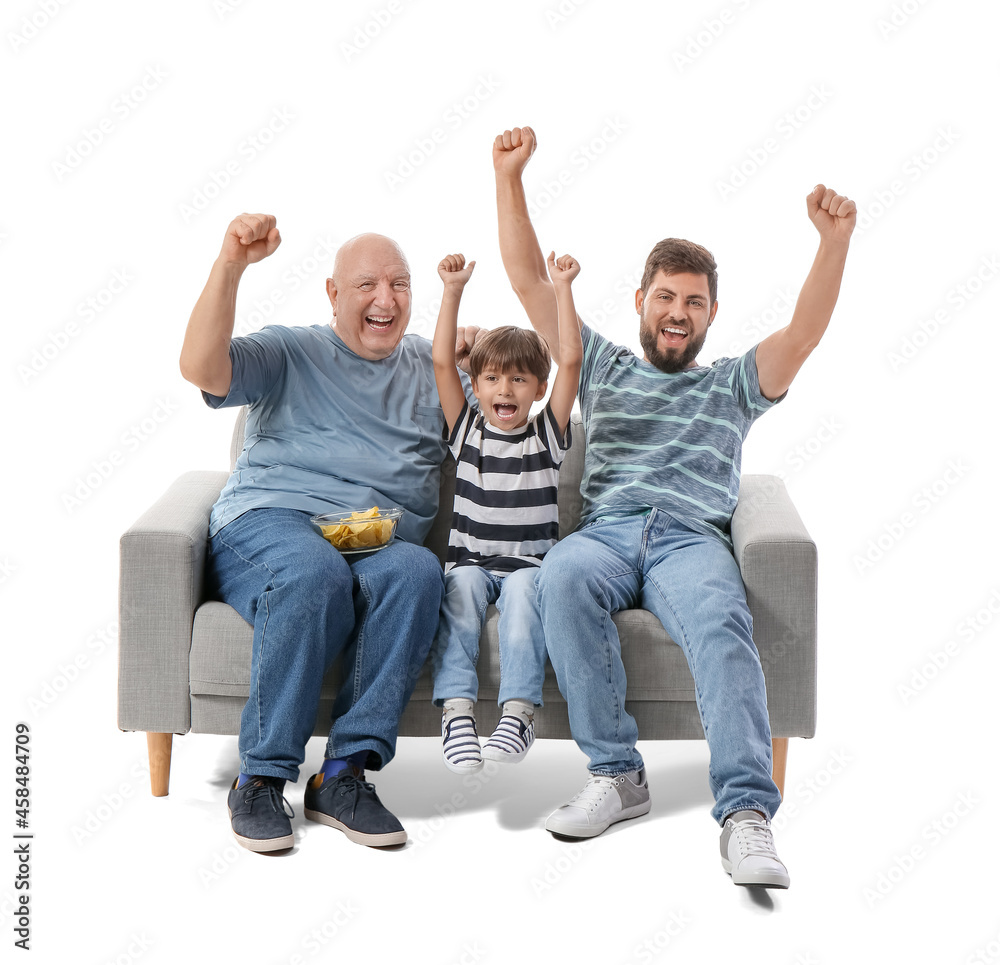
(665, 441)
(506, 483)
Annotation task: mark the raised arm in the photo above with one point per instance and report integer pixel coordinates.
(781, 355)
(204, 357)
(454, 273)
(519, 249)
(562, 271)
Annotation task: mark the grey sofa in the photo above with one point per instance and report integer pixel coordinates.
(184, 661)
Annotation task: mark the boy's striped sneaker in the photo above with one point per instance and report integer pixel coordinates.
(460, 744)
(510, 741)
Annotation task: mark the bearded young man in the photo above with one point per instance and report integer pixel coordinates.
(661, 480)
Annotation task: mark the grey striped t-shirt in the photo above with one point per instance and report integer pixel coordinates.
(671, 442)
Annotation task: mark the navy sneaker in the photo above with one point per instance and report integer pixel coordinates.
(349, 803)
(257, 811)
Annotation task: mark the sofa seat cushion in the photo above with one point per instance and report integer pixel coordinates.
(222, 641)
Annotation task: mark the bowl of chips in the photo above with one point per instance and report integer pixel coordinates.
(360, 531)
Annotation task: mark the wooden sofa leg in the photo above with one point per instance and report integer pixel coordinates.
(159, 762)
(779, 757)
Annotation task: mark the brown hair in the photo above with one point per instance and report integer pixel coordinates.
(508, 349)
(677, 255)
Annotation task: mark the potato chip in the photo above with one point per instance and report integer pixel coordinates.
(359, 531)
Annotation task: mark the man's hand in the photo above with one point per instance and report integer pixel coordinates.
(832, 213)
(512, 150)
(454, 272)
(780, 356)
(466, 338)
(249, 238)
(562, 270)
(205, 352)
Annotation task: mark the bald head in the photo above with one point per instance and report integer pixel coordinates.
(370, 295)
(367, 246)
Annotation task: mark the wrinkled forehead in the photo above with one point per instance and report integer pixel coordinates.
(371, 256)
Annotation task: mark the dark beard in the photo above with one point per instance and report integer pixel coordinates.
(669, 362)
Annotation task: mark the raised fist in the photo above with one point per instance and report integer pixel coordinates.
(832, 213)
(454, 272)
(512, 150)
(249, 238)
(562, 270)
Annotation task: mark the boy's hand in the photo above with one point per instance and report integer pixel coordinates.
(562, 270)
(512, 150)
(454, 272)
(832, 213)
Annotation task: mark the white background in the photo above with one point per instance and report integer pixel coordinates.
(646, 113)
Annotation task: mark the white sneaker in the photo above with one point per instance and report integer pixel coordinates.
(748, 853)
(603, 801)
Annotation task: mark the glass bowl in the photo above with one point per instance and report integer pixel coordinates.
(359, 531)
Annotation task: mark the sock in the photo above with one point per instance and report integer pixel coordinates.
(745, 815)
(332, 766)
(524, 709)
(458, 707)
(244, 777)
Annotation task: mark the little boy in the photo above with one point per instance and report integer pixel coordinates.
(505, 516)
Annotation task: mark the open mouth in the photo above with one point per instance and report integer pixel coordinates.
(380, 323)
(673, 335)
(504, 411)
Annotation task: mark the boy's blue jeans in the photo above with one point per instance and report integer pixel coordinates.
(455, 653)
(308, 604)
(692, 583)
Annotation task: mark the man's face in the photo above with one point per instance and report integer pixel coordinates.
(674, 315)
(370, 295)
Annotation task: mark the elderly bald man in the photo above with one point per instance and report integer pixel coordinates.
(341, 416)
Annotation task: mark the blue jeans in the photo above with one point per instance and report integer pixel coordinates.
(691, 582)
(308, 605)
(468, 591)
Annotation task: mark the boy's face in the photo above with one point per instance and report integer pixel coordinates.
(505, 397)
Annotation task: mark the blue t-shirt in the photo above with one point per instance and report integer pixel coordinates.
(665, 441)
(328, 430)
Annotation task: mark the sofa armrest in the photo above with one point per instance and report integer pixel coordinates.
(777, 559)
(160, 587)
